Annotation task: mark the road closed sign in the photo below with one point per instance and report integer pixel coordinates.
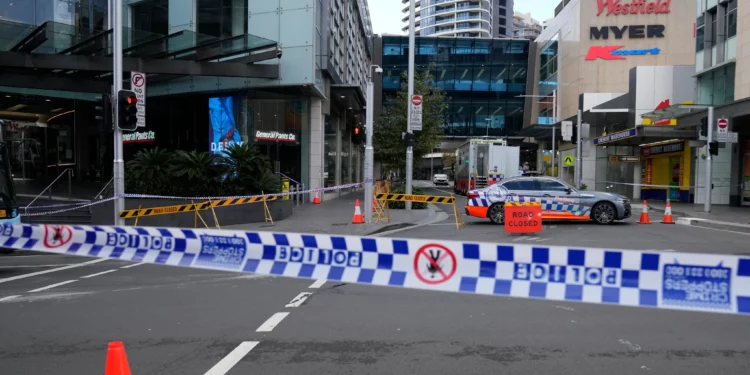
(523, 217)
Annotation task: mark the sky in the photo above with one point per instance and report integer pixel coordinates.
(386, 14)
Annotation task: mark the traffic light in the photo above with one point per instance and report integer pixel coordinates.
(357, 134)
(127, 110)
(704, 126)
(574, 136)
(408, 139)
(103, 112)
(713, 148)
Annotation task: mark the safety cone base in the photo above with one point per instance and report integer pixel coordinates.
(358, 218)
(644, 215)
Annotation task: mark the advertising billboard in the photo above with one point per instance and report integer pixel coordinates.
(223, 131)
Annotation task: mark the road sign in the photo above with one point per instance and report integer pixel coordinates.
(434, 264)
(722, 126)
(138, 86)
(523, 217)
(416, 112)
(569, 160)
(567, 130)
(728, 137)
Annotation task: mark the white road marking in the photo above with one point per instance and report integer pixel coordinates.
(8, 298)
(565, 308)
(97, 274)
(50, 271)
(297, 301)
(272, 322)
(131, 265)
(631, 346)
(52, 286)
(232, 358)
(36, 266)
(317, 284)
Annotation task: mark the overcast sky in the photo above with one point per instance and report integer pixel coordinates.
(386, 14)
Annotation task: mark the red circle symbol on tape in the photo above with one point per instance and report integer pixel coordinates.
(722, 123)
(416, 100)
(434, 264)
(56, 235)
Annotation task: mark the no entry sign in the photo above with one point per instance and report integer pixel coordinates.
(415, 113)
(434, 264)
(523, 217)
(722, 126)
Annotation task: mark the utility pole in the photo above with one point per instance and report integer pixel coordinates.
(554, 139)
(369, 151)
(709, 178)
(409, 149)
(118, 163)
(579, 163)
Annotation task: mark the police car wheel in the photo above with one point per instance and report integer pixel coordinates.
(496, 213)
(604, 213)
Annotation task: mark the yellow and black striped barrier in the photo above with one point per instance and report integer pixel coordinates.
(416, 198)
(167, 210)
(523, 204)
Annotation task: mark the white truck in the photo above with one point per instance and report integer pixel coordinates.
(483, 162)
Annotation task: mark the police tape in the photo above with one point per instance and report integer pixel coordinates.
(664, 280)
(415, 198)
(86, 205)
(192, 207)
(668, 186)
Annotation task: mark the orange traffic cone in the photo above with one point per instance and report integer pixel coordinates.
(117, 361)
(357, 219)
(668, 214)
(316, 200)
(644, 214)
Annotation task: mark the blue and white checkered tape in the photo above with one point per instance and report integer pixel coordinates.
(669, 280)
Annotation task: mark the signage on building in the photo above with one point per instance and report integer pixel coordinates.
(667, 148)
(626, 7)
(617, 53)
(633, 31)
(616, 136)
(138, 137)
(728, 137)
(275, 136)
(624, 159)
(138, 86)
(664, 104)
(567, 130)
(415, 113)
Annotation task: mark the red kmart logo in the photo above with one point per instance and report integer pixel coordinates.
(617, 53)
(619, 7)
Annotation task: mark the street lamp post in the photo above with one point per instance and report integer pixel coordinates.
(410, 149)
(369, 151)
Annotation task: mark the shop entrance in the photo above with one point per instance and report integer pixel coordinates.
(746, 174)
(284, 158)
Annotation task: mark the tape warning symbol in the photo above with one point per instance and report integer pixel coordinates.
(434, 264)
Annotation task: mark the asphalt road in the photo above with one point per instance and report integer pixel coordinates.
(183, 321)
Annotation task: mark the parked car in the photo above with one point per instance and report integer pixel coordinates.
(560, 201)
(440, 179)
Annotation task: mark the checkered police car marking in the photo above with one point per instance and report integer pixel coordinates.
(667, 280)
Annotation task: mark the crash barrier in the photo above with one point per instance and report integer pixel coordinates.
(380, 206)
(77, 206)
(523, 217)
(664, 280)
(195, 207)
(426, 199)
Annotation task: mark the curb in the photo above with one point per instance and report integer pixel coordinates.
(712, 224)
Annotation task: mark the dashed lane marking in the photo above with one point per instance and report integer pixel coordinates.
(27, 275)
(299, 300)
(52, 286)
(131, 265)
(234, 357)
(272, 322)
(97, 274)
(8, 298)
(317, 284)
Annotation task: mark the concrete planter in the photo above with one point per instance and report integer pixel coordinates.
(103, 214)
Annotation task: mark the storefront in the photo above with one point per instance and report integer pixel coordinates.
(746, 174)
(663, 165)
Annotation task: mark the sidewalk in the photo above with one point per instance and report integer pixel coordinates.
(721, 216)
(335, 217)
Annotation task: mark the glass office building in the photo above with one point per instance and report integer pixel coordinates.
(482, 79)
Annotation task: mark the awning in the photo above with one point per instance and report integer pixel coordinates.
(59, 55)
(618, 104)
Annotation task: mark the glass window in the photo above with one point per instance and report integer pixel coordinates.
(21, 11)
(151, 16)
(551, 185)
(731, 19)
(522, 184)
(714, 27)
(329, 167)
(222, 18)
(700, 33)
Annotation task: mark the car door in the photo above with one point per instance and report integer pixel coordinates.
(564, 202)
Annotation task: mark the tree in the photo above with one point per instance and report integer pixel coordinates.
(390, 148)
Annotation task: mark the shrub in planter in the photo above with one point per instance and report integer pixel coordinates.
(401, 205)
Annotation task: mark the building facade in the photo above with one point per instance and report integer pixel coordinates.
(502, 19)
(615, 63)
(301, 117)
(525, 26)
(452, 18)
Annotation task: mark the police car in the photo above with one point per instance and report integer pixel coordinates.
(559, 201)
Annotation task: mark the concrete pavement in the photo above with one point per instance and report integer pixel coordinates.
(59, 312)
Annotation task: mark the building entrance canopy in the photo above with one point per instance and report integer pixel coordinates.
(59, 57)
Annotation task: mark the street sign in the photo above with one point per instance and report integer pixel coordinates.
(728, 137)
(415, 113)
(567, 130)
(434, 264)
(138, 86)
(569, 160)
(722, 126)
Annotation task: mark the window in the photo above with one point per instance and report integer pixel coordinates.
(551, 185)
(152, 16)
(714, 31)
(502, 31)
(222, 18)
(731, 19)
(700, 33)
(521, 184)
(502, 2)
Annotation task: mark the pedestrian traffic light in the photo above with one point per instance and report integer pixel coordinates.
(713, 148)
(357, 133)
(103, 112)
(704, 126)
(126, 110)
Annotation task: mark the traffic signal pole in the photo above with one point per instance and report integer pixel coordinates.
(118, 165)
(410, 149)
(708, 183)
(369, 151)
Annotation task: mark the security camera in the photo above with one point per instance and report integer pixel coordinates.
(378, 70)
(279, 52)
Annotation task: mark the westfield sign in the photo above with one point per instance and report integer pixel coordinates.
(625, 7)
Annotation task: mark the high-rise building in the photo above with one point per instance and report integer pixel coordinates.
(461, 18)
(526, 27)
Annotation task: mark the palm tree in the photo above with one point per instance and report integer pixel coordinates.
(151, 164)
(195, 165)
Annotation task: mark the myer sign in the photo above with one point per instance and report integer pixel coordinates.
(275, 136)
(138, 137)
